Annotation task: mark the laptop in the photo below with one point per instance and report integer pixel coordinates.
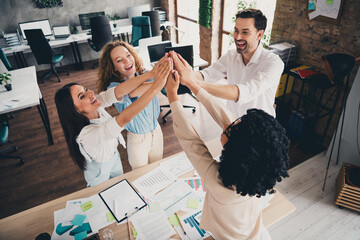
(186, 52)
(61, 31)
(157, 51)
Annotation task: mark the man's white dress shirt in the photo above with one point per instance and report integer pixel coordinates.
(257, 81)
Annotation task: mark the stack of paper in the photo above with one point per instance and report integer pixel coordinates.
(11, 39)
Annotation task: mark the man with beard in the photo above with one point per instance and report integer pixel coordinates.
(253, 73)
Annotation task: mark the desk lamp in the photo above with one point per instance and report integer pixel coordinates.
(337, 66)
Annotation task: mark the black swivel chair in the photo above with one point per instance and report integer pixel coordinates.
(182, 90)
(43, 52)
(101, 33)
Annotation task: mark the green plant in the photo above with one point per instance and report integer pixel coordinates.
(6, 78)
(48, 3)
(115, 17)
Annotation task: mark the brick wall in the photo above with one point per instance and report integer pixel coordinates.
(316, 38)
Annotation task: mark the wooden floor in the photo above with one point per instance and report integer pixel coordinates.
(49, 172)
(316, 215)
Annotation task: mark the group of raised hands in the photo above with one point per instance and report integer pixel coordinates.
(170, 71)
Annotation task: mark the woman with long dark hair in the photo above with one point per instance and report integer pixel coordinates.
(92, 135)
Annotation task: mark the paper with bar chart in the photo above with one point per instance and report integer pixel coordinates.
(197, 184)
(153, 181)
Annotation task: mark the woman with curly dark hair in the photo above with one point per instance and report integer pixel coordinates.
(254, 158)
(120, 63)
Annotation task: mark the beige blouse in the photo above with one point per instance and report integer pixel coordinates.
(226, 214)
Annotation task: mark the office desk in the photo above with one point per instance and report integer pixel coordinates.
(73, 40)
(18, 51)
(29, 223)
(24, 83)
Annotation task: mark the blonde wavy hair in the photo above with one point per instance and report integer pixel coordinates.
(107, 73)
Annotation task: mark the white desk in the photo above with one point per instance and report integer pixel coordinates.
(24, 83)
(29, 223)
(73, 40)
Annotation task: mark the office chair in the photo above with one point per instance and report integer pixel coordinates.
(4, 132)
(43, 52)
(5, 60)
(182, 90)
(100, 32)
(140, 29)
(154, 21)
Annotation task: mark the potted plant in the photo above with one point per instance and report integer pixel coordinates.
(6, 78)
(113, 19)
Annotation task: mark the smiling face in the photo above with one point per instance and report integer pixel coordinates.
(123, 62)
(85, 101)
(246, 36)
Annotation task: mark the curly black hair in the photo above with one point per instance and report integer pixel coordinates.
(256, 154)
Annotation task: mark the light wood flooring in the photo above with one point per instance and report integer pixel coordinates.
(316, 216)
(49, 172)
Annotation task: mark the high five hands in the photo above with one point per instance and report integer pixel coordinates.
(172, 70)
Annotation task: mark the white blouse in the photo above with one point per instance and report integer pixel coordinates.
(99, 140)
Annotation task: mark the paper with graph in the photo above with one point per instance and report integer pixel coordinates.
(177, 165)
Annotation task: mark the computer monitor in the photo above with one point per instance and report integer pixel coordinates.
(43, 24)
(85, 19)
(186, 52)
(157, 51)
(137, 10)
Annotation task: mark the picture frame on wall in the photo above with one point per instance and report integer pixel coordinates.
(325, 10)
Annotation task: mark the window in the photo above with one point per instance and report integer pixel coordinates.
(230, 7)
(187, 14)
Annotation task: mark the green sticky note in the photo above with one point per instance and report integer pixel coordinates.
(192, 203)
(78, 219)
(134, 232)
(174, 220)
(81, 235)
(62, 229)
(86, 206)
(110, 217)
(329, 1)
(155, 207)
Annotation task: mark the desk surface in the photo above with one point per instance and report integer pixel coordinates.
(24, 88)
(29, 223)
(81, 37)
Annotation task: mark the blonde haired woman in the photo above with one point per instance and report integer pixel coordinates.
(118, 63)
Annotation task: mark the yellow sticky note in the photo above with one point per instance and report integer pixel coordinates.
(192, 203)
(174, 220)
(329, 1)
(110, 217)
(86, 206)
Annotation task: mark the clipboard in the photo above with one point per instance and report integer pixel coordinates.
(122, 200)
